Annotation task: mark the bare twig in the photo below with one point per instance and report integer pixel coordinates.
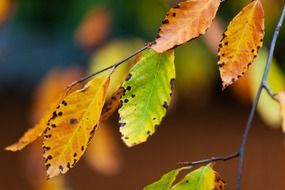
(254, 105)
(114, 66)
(213, 159)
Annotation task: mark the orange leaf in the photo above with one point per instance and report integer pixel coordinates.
(112, 105)
(46, 98)
(32, 134)
(241, 42)
(72, 126)
(184, 22)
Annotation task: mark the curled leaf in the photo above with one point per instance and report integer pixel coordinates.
(184, 22)
(241, 42)
(147, 93)
(72, 126)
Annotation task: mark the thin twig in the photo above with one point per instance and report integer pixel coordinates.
(213, 159)
(254, 105)
(269, 92)
(114, 66)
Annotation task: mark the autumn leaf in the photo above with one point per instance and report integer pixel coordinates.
(103, 154)
(32, 134)
(48, 94)
(184, 22)
(241, 42)
(72, 126)
(281, 99)
(203, 178)
(147, 93)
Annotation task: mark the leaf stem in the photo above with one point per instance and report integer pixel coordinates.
(255, 103)
(209, 160)
(114, 66)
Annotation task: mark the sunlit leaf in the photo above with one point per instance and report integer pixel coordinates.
(204, 178)
(147, 93)
(165, 181)
(72, 126)
(281, 98)
(103, 153)
(186, 21)
(268, 109)
(241, 42)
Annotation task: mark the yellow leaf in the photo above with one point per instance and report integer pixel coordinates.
(103, 153)
(241, 42)
(46, 98)
(72, 126)
(281, 98)
(186, 21)
(32, 134)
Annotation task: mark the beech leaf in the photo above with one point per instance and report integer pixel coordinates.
(241, 42)
(184, 22)
(203, 178)
(147, 93)
(72, 126)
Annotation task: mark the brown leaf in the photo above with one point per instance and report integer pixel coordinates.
(241, 42)
(184, 22)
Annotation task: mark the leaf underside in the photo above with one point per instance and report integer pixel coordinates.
(147, 93)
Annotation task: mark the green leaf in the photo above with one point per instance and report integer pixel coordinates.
(148, 90)
(200, 179)
(165, 181)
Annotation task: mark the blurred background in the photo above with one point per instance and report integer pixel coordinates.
(45, 45)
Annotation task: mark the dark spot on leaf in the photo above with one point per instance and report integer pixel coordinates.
(122, 124)
(129, 76)
(220, 45)
(252, 51)
(58, 107)
(148, 132)
(47, 166)
(120, 104)
(154, 118)
(126, 138)
(128, 88)
(46, 148)
(64, 103)
(165, 105)
(177, 7)
(60, 113)
(82, 148)
(226, 43)
(165, 21)
(126, 100)
(60, 168)
(133, 95)
(53, 125)
(73, 121)
(74, 155)
(68, 165)
(174, 14)
(221, 64)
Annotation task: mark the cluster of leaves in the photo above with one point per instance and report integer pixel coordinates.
(143, 98)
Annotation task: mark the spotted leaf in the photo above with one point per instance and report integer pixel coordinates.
(184, 22)
(32, 134)
(147, 93)
(203, 178)
(241, 42)
(72, 126)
